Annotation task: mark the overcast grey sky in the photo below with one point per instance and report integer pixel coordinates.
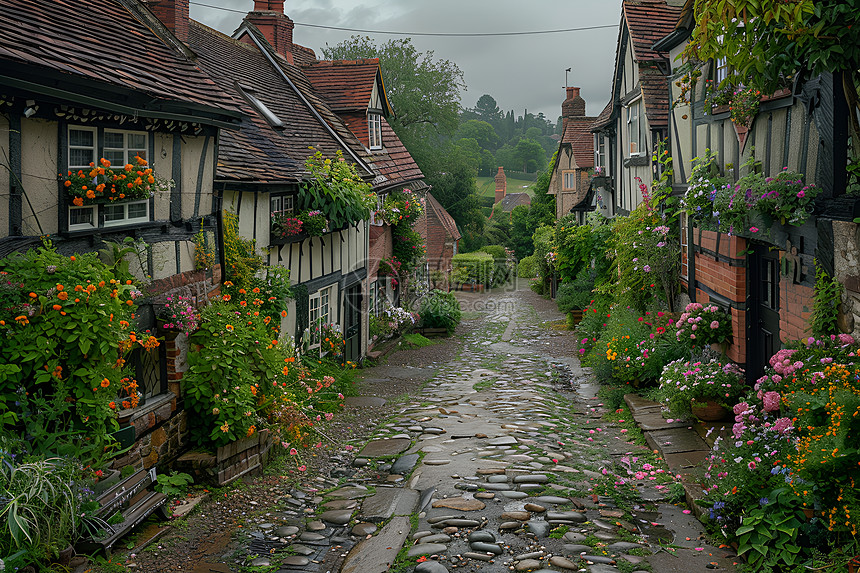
(520, 72)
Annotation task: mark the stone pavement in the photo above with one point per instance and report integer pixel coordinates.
(502, 462)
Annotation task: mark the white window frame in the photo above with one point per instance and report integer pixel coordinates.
(319, 312)
(126, 220)
(568, 173)
(374, 130)
(93, 149)
(634, 128)
(126, 149)
(374, 221)
(281, 204)
(600, 152)
(84, 226)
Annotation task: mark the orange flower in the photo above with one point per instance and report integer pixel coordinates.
(33, 295)
(227, 297)
(22, 320)
(57, 307)
(63, 295)
(68, 183)
(78, 202)
(112, 405)
(72, 258)
(229, 327)
(241, 291)
(126, 404)
(105, 383)
(256, 290)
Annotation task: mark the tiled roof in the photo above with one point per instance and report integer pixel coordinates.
(512, 200)
(604, 119)
(347, 85)
(444, 218)
(578, 135)
(649, 21)
(394, 161)
(257, 153)
(655, 92)
(82, 39)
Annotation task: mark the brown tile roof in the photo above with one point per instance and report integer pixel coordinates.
(604, 119)
(257, 153)
(655, 92)
(442, 216)
(394, 161)
(578, 135)
(81, 40)
(345, 84)
(649, 21)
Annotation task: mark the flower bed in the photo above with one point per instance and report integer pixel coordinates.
(792, 453)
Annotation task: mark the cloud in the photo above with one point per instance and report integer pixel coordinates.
(520, 72)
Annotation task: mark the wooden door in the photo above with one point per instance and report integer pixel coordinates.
(352, 322)
(763, 309)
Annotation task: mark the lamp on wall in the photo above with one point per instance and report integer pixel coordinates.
(31, 108)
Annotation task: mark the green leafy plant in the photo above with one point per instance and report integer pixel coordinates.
(204, 251)
(66, 377)
(39, 507)
(768, 536)
(440, 310)
(402, 207)
(744, 105)
(825, 309)
(684, 382)
(336, 190)
(477, 268)
(173, 484)
(314, 222)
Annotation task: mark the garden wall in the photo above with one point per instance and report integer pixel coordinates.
(158, 429)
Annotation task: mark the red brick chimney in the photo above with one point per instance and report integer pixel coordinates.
(268, 16)
(173, 14)
(573, 106)
(501, 184)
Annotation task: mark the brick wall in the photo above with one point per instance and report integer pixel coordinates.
(161, 425)
(725, 277)
(795, 310)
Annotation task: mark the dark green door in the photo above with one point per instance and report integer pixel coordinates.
(763, 310)
(352, 322)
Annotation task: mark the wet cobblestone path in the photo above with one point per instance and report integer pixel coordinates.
(502, 461)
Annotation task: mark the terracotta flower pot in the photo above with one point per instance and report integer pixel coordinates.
(708, 411)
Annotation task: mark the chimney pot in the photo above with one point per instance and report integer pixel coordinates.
(268, 16)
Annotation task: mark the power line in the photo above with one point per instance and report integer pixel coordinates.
(442, 34)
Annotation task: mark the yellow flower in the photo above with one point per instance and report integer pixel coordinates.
(225, 428)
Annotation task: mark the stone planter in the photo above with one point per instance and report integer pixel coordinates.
(708, 411)
(242, 457)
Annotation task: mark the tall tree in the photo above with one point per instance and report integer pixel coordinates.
(487, 109)
(480, 131)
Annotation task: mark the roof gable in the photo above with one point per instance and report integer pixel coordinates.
(577, 134)
(444, 217)
(348, 85)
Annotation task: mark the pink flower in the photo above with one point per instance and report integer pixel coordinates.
(801, 194)
(329, 416)
(751, 465)
(771, 401)
(753, 229)
(302, 468)
(294, 452)
(715, 325)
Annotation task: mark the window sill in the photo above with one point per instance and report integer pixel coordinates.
(637, 161)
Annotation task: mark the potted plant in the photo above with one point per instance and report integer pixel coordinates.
(706, 389)
(314, 223)
(285, 224)
(178, 314)
(704, 325)
(105, 184)
(744, 107)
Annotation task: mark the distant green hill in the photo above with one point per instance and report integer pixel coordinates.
(487, 186)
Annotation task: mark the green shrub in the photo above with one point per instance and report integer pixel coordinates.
(501, 272)
(478, 267)
(577, 294)
(440, 310)
(528, 267)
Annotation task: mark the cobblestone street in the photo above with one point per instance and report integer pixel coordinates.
(503, 461)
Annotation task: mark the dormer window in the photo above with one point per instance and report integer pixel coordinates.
(374, 130)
